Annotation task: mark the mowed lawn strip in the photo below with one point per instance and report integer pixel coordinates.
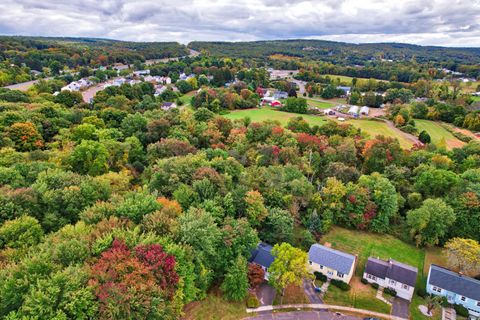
(437, 133)
(215, 307)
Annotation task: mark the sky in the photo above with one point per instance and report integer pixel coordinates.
(452, 23)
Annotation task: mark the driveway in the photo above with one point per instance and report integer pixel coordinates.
(265, 294)
(313, 296)
(304, 315)
(400, 307)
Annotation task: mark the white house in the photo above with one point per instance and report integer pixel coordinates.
(332, 263)
(168, 106)
(392, 274)
(364, 110)
(353, 110)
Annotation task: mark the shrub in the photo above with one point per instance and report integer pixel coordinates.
(390, 291)
(461, 310)
(340, 284)
(252, 301)
(409, 129)
(364, 281)
(444, 302)
(320, 276)
(422, 292)
(375, 285)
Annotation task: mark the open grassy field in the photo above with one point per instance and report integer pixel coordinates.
(370, 127)
(215, 307)
(438, 133)
(374, 128)
(320, 104)
(266, 113)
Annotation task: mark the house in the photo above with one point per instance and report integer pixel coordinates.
(332, 263)
(139, 73)
(267, 100)
(276, 103)
(392, 274)
(457, 288)
(280, 95)
(346, 90)
(364, 110)
(168, 106)
(353, 110)
(263, 257)
(328, 112)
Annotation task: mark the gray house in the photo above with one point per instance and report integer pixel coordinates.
(332, 263)
(392, 274)
(263, 257)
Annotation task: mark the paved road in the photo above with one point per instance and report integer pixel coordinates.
(304, 315)
(400, 308)
(24, 86)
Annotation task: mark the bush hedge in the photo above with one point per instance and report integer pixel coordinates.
(364, 281)
(340, 284)
(320, 276)
(461, 310)
(390, 291)
(252, 301)
(422, 292)
(375, 285)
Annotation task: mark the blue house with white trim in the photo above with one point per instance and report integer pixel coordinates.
(263, 257)
(457, 288)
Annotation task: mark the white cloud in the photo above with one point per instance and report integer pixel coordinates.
(435, 22)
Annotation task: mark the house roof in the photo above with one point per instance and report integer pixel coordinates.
(454, 282)
(331, 258)
(392, 269)
(262, 255)
(167, 104)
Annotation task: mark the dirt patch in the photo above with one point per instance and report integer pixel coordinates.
(358, 286)
(454, 143)
(466, 132)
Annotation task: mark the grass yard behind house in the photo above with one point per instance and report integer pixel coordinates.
(215, 307)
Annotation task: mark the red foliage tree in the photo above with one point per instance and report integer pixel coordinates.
(256, 275)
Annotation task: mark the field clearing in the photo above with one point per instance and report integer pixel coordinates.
(320, 104)
(348, 80)
(370, 127)
(215, 307)
(374, 128)
(438, 133)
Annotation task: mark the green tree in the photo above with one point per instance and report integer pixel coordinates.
(89, 157)
(69, 98)
(255, 207)
(429, 223)
(424, 137)
(22, 232)
(464, 254)
(278, 226)
(235, 284)
(288, 268)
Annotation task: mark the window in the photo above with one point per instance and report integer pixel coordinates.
(404, 286)
(478, 303)
(309, 262)
(463, 298)
(340, 275)
(330, 273)
(321, 267)
(392, 282)
(369, 276)
(437, 289)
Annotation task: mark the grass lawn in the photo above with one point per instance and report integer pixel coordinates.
(374, 128)
(475, 98)
(370, 127)
(186, 98)
(320, 104)
(438, 133)
(415, 313)
(215, 307)
(267, 113)
(360, 297)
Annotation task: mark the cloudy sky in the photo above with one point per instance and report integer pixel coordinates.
(429, 22)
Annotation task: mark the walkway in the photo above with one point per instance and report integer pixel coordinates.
(449, 314)
(304, 315)
(380, 296)
(318, 306)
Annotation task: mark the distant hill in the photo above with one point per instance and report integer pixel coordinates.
(340, 51)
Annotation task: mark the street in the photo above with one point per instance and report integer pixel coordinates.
(304, 315)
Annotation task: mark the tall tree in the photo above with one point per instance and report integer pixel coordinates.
(464, 254)
(235, 284)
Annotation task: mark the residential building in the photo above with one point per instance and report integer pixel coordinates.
(332, 263)
(280, 95)
(168, 106)
(457, 288)
(392, 274)
(364, 110)
(263, 257)
(139, 73)
(346, 90)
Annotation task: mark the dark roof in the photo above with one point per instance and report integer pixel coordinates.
(262, 255)
(331, 258)
(392, 269)
(167, 104)
(454, 282)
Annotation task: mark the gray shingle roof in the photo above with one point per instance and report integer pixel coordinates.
(331, 258)
(262, 255)
(392, 269)
(454, 282)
